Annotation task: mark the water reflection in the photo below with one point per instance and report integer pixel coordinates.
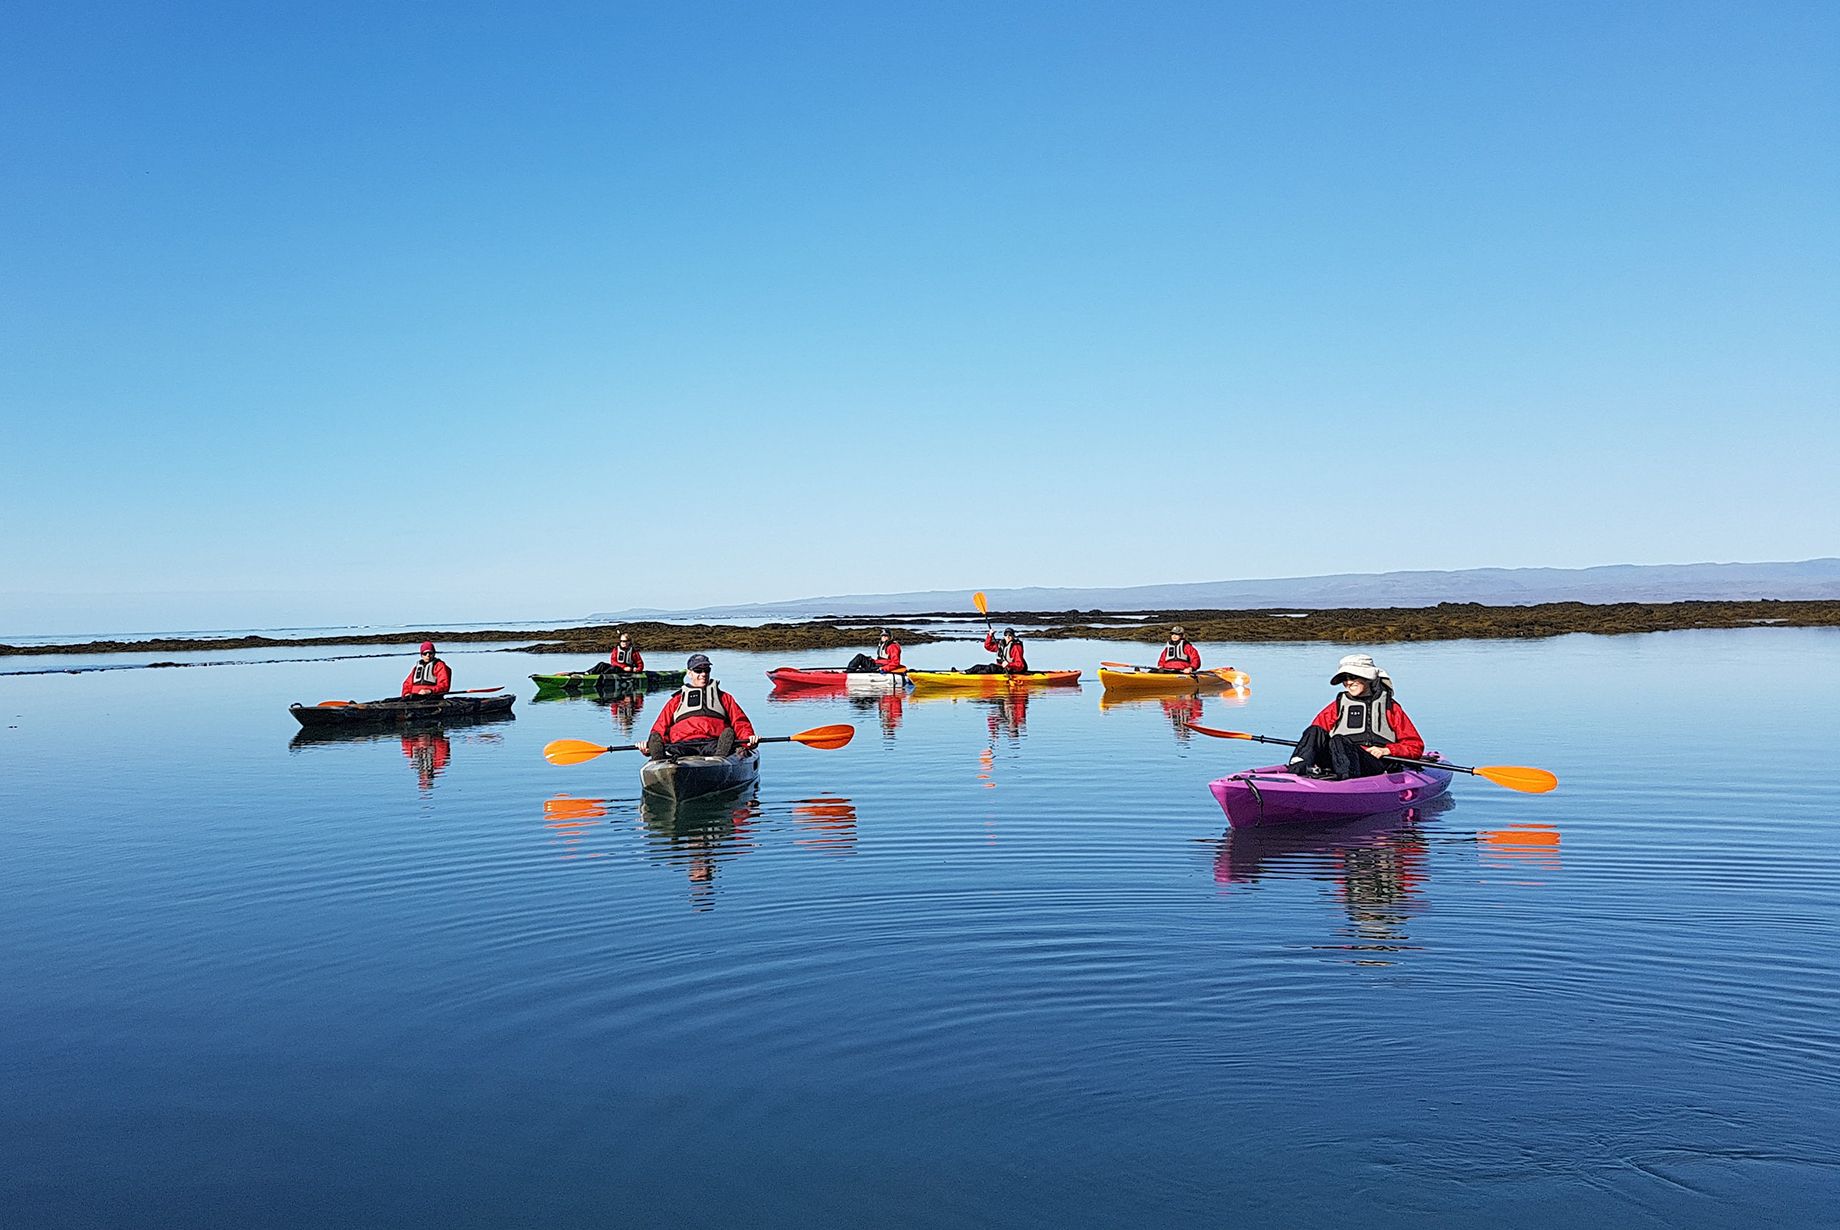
(427, 748)
(1180, 710)
(1377, 865)
(1520, 848)
(826, 824)
(699, 835)
(886, 708)
(570, 819)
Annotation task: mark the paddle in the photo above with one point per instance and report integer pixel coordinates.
(1155, 670)
(1513, 776)
(983, 605)
(340, 704)
(579, 751)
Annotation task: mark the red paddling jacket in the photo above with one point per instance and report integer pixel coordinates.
(628, 659)
(1181, 656)
(701, 713)
(1378, 722)
(430, 678)
(890, 657)
(1012, 661)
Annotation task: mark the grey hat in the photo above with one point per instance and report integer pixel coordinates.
(697, 662)
(1176, 631)
(1359, 666)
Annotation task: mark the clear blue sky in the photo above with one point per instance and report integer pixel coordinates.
(433, 312)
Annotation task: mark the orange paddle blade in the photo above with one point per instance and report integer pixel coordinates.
(1121, 666)
(829, 738)
(980, 602)
(1219, 734)
(571, 751)
(1518, 777)
(335, 704)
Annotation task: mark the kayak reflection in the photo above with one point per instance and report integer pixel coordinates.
(1180, 710)
(1377, 865)
(887, 707)
(427, 747)
(699, 835)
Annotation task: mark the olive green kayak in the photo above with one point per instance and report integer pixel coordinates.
(608, 683)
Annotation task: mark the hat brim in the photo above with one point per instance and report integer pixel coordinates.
(1371, 675)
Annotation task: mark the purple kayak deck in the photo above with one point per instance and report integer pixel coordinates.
(1259, 797)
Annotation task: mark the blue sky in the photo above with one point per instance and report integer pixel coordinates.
(377, 313)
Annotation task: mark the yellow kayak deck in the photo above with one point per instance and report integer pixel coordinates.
(972, 679)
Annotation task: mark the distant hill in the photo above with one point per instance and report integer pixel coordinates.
(1805, 580)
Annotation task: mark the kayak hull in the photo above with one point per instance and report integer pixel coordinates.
(974, 681)
(795, 678)
(1172, 683)
(1259, 798)
(695, 777)
(398, 711)
(584, 683)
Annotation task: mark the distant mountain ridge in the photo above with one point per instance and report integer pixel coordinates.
(1802, 580)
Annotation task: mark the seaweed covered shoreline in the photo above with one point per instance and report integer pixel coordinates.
(1446, 621)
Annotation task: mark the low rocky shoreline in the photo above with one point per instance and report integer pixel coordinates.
(1447, 621)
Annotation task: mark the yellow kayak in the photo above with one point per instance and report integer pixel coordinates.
(973, 679)
(1172, 683)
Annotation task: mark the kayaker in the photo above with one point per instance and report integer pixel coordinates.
(1358, 730)
(700, 719)
(1178, 654)
(624, 660)
(887, 657)
(1010, 658)
(429, 676)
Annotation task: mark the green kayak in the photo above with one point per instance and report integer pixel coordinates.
(608, 683)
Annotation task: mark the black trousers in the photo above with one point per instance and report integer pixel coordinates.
(862, 662)
(1339, 755)
(657, 749)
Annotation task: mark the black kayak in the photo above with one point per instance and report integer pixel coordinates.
(397, 711)
(692, 777)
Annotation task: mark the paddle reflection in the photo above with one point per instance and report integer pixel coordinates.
(887, 708)
(699, 835)
(569, 819)
(826, 824)
(1523, 849)
(427, 748)
(1377, 864)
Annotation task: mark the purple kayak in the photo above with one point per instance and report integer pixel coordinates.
(1259, 797)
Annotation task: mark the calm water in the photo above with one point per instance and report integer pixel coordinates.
(992, 964)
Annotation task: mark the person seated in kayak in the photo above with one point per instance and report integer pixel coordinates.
(624, 660)
(1358, 730)
(1178, 654)
(1010, 658)
(428, 677)
(887, 657)
(700, 719)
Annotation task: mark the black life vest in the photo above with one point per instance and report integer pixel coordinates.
(423, 674)
(1364, 720)
(698, 702)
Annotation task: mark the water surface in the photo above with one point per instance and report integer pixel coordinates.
(997, 962)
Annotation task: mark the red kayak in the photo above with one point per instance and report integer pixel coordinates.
(834, 678)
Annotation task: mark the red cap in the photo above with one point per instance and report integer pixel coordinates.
(427, 646)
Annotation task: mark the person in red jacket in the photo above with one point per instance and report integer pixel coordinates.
(624, 660)
(700, 719)
(428, 677)
(887, 657)
(1010, 658)
(1358, 730)
(1178, 654)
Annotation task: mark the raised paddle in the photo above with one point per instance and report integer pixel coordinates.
(983, 605)
(1513, 776)
(579, 751)
(340, 704)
